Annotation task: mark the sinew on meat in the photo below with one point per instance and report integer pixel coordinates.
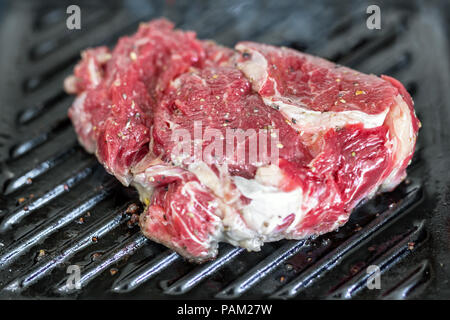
(341, 136)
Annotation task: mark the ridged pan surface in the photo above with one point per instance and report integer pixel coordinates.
(59, 208)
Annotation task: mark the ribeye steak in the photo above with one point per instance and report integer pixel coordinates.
(194, 127)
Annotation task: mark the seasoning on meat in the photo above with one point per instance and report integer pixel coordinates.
(340, 136)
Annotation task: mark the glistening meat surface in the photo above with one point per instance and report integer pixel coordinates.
(339, 136)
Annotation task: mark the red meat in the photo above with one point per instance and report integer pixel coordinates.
(244, 146)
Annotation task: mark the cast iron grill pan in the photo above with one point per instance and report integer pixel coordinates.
(58, 207)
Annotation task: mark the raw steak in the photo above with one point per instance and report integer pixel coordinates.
(338, 136)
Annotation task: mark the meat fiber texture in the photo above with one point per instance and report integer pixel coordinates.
(341, 136)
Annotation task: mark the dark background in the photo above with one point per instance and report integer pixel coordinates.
(48, 184)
